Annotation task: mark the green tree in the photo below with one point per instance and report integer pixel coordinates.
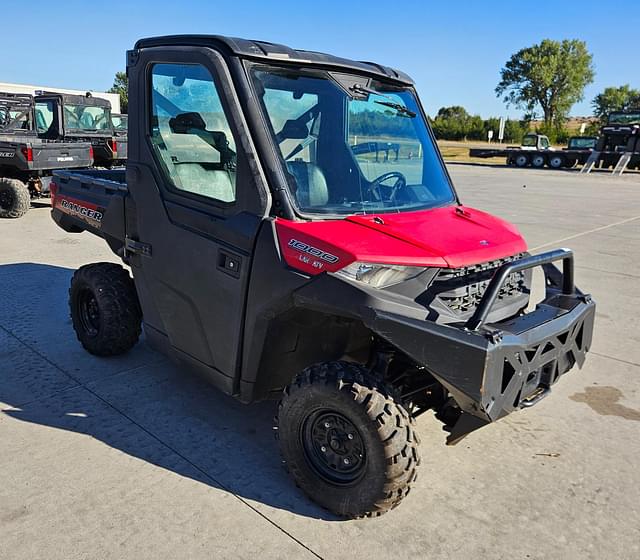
(451, 123)
(611, 99)
(551, 75)
(514, 131)
(121, 87)
(453, 112)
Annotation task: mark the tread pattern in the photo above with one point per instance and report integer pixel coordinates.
(21, 198)
(120, 313)
(394, 426)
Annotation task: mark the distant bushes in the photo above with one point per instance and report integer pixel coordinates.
(455, 123)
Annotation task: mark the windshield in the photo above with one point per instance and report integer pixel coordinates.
(582, 143)
(361, 150)
(119, 122)
(625, 118)
(87, 118)
(530, 141)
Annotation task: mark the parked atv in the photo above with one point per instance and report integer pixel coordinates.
(26, 161)
(279, 251)
(78, 118)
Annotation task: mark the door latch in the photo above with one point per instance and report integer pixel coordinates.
(229, 263)
(137, 247)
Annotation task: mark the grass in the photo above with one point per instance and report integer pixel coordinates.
(458, 152)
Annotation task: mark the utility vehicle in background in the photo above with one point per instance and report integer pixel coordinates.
(26, 161)
(78, 118)
(120, 127)
(618, 146)
(275, 255)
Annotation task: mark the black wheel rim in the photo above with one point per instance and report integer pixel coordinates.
(89, 312)
(6, 199)
(333, 447)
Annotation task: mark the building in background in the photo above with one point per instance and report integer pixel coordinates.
(114, 98)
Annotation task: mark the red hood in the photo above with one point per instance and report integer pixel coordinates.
(443, 237)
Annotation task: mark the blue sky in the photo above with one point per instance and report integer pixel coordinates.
(453, 50)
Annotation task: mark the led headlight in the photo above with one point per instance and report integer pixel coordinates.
(379, 275)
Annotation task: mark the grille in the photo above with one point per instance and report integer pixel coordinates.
(457, 292)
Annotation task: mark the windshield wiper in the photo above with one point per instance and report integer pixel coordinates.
(359, 88)
(398, 107)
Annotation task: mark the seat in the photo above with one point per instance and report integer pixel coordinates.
(312, 186)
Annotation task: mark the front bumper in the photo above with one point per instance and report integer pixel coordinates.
(492, 369)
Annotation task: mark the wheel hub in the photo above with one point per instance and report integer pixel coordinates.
(89, 312)
(333, 446)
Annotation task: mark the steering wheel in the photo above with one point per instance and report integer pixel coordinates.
(401, 182)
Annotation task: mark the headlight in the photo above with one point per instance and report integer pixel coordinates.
(379, 275)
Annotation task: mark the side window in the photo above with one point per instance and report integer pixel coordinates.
(190, 132)
(44, 115)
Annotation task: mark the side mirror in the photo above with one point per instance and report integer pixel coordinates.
(184, 122)
(293, 130)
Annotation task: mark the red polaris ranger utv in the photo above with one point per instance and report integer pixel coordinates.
(292, 231)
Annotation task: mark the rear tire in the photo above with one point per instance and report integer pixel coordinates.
(537, 161)
(105, 311)
(15, 199)
(349, 446)
(521, 160)
(557, 161)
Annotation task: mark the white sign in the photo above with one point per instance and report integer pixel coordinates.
(583, 127)
(490, 135)
(501, 131)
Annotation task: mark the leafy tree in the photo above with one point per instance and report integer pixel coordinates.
(514, 131)
(452, 123)
(453, 112)
(551, 75)
(121, 87)
(611, 99)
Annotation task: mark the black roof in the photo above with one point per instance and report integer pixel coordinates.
(261, 50)
(16, 98)
(75, 99)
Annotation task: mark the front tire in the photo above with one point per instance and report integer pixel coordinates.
(349, 446)
(105, 311)
(15, 199)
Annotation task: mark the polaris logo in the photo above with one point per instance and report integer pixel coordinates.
(67, 158)
(7, 154)
(314, 251)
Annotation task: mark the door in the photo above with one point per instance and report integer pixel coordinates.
(199, 201)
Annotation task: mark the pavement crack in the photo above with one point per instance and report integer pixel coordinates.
(615, 359)
(594, 230)
(614, 272)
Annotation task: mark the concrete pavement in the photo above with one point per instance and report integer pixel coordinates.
(130, 457)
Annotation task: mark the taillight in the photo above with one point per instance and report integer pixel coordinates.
(53, 191)
(27, 152)
(91, 153)
(114, 147)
